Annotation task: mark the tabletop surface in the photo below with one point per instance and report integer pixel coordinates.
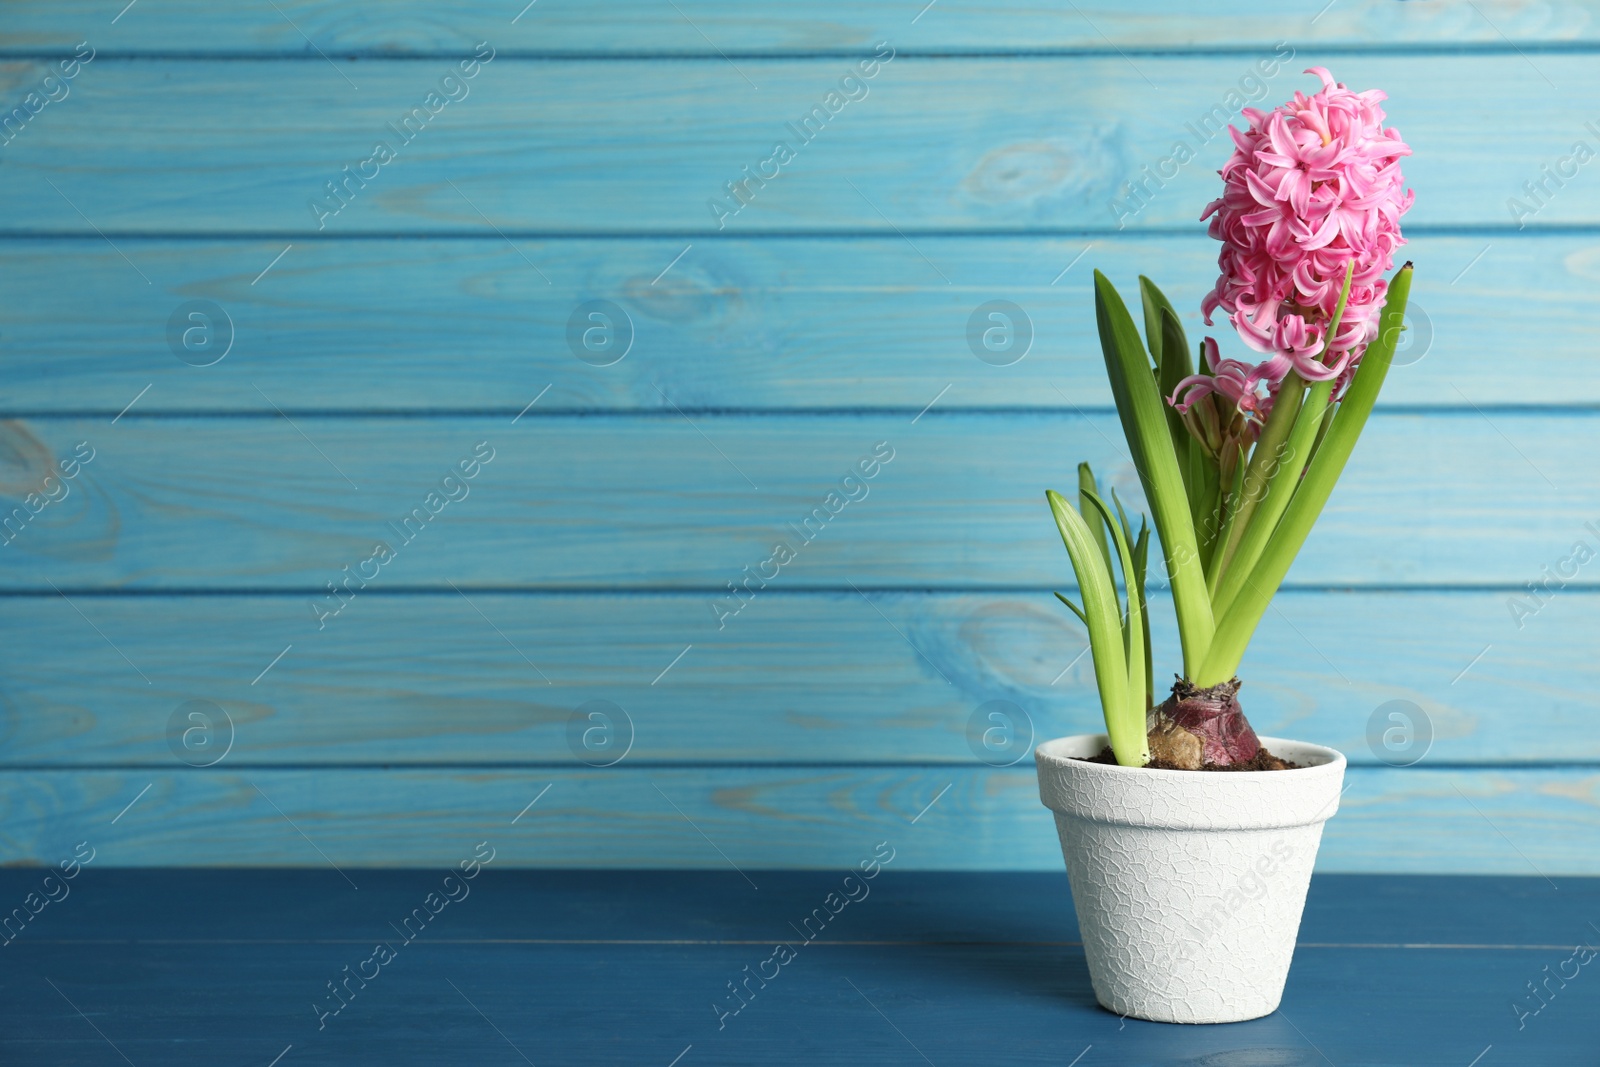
(634, 967)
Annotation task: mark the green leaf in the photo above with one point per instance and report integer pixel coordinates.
(1141, 553)
(1086, 483)
(1133, 581)
(1133, 626)
(1236, 627)
(1122, 517)
(1155, 304)
(1104, 621)
(1141, 557)
(1229, 506)
(1163, 332)
(1263, 458)
(1175, 367)
(1283, 481)
(1153, 301)
(1207, 479)
(1279, 477)
(1074, 608)
(1205, 494)
(1322, 431)
(1145, 425)
(1287, 441)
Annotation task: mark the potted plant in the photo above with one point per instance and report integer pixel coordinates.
(1189, 840)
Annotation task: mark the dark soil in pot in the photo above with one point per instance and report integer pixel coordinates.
(1261, 761)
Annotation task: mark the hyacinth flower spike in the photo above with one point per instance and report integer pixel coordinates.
(1237, 458)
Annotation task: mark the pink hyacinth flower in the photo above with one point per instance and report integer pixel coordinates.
(1238, 382)
(1313, 187)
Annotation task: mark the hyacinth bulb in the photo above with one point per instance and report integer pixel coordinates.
(1194, 727)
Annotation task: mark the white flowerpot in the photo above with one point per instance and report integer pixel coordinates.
(1188, 884)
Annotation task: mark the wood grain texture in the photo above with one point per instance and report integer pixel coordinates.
(638, 146)
(1537, 821)
(700, 27)
(940, 955)
(679, 502)
(560, 1004)
(450, 325)
(824, 678)
(707, 906)
(373, 346)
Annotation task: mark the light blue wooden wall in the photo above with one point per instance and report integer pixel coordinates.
(370, 356)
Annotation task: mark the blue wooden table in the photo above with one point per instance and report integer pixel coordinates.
(632, 967)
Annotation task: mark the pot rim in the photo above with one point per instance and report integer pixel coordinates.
(1050, 752)
(1189, 800)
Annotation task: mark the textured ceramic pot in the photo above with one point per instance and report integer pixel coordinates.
(1188, 884)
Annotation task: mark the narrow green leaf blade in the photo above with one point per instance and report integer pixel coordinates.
(1282, 483)
(1086, 483)
(1141, 558)
(1104, 622)
(1164, 336)
(1204, 493)
(1175, 367)
(1156, 304)
(1291, 444)
(1239, 624)
(1230, 501)
(1268, 450)
(1122, 517)
(1153, 300)
(1073, 608)
(1144, 423)
(1133, 625)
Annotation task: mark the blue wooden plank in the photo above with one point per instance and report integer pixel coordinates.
(143, 156)
(561, 1004)
(955, 144)
(1540, 822)
(735, 323)
(702, 27)
(813, 678)
(674, 501)
(716, 906)
(449, 996)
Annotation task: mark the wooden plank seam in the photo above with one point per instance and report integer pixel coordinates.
(852, 87)
(454, 487)
(852, 487)
(44, 94)
(1251, 88)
